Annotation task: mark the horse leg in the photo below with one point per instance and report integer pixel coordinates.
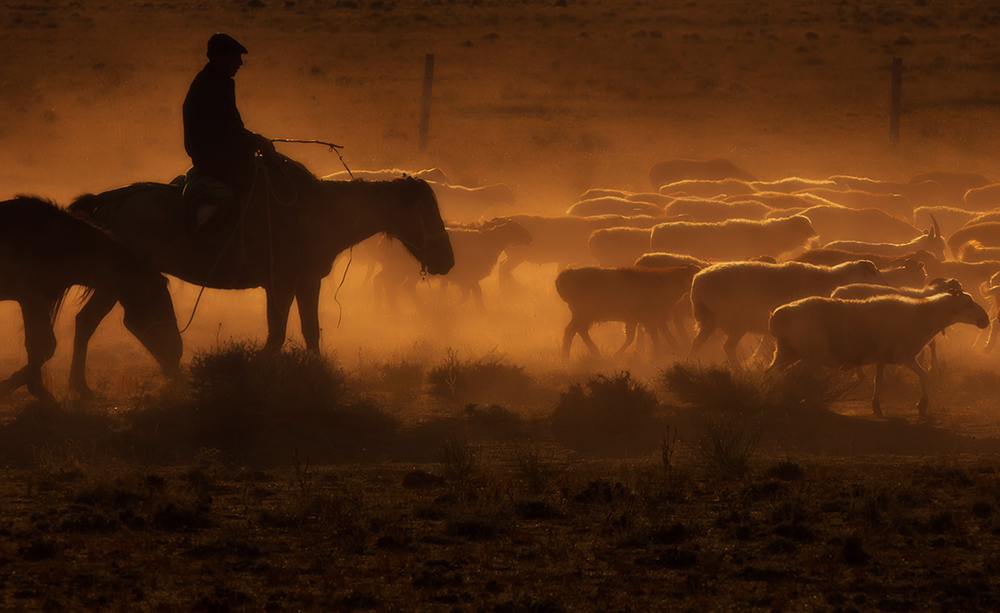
(87, 320)
(40, 341)
(307, 298)
(279, 304)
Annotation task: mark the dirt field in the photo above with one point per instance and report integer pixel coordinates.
(408, 491)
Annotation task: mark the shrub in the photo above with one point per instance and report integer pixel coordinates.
(614, 415)
(486, 380)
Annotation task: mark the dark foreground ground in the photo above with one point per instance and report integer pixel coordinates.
(518, 532)
(696, 490)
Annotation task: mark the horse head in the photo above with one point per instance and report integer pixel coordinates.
(420, 228)
(149, 315)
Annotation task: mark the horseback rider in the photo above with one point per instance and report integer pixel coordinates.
(214, 136)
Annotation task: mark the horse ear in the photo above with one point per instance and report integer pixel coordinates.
(936, 229)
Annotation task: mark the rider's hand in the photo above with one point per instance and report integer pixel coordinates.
(264, 146)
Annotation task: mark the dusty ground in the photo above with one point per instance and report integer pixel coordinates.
(551, 98)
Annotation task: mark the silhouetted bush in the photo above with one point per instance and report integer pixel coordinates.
(263, 408)
(486, 380)
(609, 414)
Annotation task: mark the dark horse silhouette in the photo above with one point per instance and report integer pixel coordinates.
(43, 252)
(284, 245)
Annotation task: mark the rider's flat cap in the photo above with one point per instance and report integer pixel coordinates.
(224, 43)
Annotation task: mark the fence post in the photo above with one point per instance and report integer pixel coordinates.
(425, 108)
(895, 100)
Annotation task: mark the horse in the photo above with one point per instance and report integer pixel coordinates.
(44, 251)
(285, 246)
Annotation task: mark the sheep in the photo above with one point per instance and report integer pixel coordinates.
(702, 210)
(925, 193)
(831, 257)
(460, 204)
(898, 272)
(908, 274)
(617, 247)
(953, 185)
(896, 205)
(561, 240)
(931, 240)
(791, 185)
(735, 239)
(862, 291)
(983, 198)
(613, 205)
(477, 250)
(848, 334)
(671, 171)
(974, 251)
(669, 260)
(630, 295)
(700, 188)
(834, 222)
(430, 174)
(781, 201)
(737, 297)
(987, 233)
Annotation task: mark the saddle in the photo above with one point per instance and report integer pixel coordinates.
(203, 195)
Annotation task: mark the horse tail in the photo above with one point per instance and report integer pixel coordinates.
(56, 305)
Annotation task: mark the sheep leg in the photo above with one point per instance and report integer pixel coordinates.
(477, 294)
(730, 348)
(877, 394)
(784, 356)
(991, 342)
(664, 329)
(705, 330)
(630, 328)
(912, 364)
(572, 329)
(589, 342)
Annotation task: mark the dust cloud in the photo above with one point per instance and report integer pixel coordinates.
(549, 98)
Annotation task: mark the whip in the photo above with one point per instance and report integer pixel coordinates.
(332, 146)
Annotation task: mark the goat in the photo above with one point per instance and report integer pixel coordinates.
(991, 291)
(672, 171)
(969, 274)
(737, 297)
(931, 240)
(736, 239)
(702, 210)
(848, 334)
(950, 218)
(987, 233)
(630, 295)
